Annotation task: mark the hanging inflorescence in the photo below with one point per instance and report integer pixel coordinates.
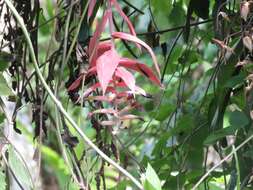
(116, 84)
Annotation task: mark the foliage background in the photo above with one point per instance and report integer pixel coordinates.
(202, 114)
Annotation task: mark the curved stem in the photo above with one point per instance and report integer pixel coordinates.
(58, 103)
(63, 149)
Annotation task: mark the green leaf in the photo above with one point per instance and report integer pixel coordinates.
(201, 8)
(120, 186)
(239, 99)
(161, 10)
(219, 134)
(185, 123)
(152, 181)
(4, 88)
(248, 154)
(164, 111)
(2, 180)
(54, 161)
(235, 80)
(18, 168)
(2, 117)
(148, 186)
(5, 59)
(50, 8)
(238, 119)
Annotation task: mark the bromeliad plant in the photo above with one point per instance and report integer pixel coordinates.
(116, 83)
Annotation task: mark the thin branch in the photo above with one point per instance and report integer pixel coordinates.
(132, 6)
(76, 34)
(22, 159)
(59, 104)
(174, 28)
(168, 57)
(152, 16)
(124, 41)
(167, 30)
(36, 28)
(221, 161)
(63, 148)
(12, 173)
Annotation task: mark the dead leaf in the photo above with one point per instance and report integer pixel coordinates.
(245, 10)
(247, 42)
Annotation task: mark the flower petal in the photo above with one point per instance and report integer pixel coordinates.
(92, 51)
(106, 66)
(101, 98)
(130, 26)
(134, 65)
(104, 110)
(76, 83)
(140, 67)
(88, 91)
(100, 50)
(92, 4)
(109, 123)
(126, 19)
(131, 117)
(134, 39)
(127, 77)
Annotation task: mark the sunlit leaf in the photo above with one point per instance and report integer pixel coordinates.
(152, 181)
(18, 168)
(2, 180)
(4, 88)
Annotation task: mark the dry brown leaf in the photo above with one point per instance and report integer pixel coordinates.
(245, 10)
(247, 42)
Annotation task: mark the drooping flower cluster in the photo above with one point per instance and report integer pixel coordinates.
(116, 83)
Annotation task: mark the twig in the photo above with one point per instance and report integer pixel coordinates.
(76, 34)
(132, 6)
(124, 41)
(221, 161)
(152, 16)
(168, 57)
(66, 54)
(166, 30)
(238, 179)
(22, 160)
(12, 173)
(174, 28)
(36, 28)
(59, 105)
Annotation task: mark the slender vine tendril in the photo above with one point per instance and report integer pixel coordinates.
(58, 103)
